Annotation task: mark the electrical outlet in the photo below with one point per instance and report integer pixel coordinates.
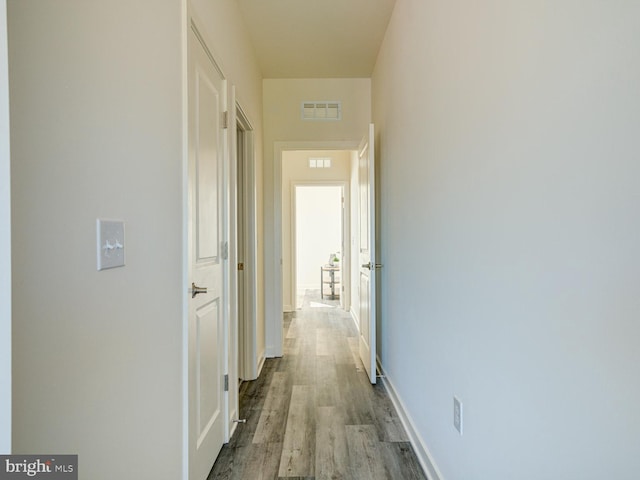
(457, 414)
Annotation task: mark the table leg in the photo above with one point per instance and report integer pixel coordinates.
(332, 282)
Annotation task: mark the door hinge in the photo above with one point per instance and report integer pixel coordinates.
(226, 383)
(241, 266)
(225, 119)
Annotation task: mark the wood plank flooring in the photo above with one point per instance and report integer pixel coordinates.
(313, 414)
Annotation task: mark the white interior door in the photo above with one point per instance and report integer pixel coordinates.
(366, 176)
(205, 260)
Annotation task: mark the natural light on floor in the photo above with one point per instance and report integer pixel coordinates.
(320, 305)
(311, 298)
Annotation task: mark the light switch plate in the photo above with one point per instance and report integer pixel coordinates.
(110, 240)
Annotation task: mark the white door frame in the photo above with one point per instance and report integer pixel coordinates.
(5, 241)
(274, 307)
(250, 362)
(345, 233)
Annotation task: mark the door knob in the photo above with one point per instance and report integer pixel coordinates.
(196, 290)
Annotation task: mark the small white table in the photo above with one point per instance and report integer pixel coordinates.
(332, 281)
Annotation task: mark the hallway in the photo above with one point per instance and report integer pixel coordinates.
(312, 414)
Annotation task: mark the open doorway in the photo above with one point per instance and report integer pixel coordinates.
(278, 291)
(315, 224)
(318, 241)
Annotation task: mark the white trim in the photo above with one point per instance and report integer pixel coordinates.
(273, 263)
(184, 33)
(356, 320)
(419, 446)
(355, 317)
(261, 360)
(5, 241)
(250, 360)
(293, 254)
(198, 33)
(232, 270)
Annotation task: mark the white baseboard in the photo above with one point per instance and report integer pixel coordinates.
(420, 448)
(261, 360)
(234, 425)
(355, 318)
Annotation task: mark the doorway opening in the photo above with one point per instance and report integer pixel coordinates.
(318, 242)
(362, 175)
(277, 275)
(316, 230)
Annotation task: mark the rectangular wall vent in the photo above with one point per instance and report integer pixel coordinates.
(319, 162)
(322, 110)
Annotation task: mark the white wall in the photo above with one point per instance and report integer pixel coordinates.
(508, 143)
(97, 131)
(96, 122)
(282, 123)
(295, 169)
(5, 243)
(96, 112)
(354, 239)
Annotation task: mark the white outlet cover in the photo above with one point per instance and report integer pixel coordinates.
(110, 243)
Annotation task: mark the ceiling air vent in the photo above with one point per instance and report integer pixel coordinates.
(324, 110)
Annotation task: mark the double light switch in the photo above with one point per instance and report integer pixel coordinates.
(110, 235)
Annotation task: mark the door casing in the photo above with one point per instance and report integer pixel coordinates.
(274, 305)
(243, 153)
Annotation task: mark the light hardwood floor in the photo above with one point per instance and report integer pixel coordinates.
(313, 414)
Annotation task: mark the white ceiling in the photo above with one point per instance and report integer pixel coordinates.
(316, 38)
